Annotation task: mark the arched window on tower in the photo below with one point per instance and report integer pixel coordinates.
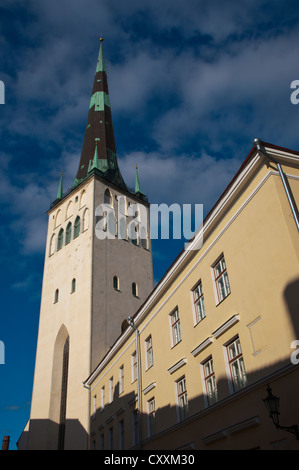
(83, 199)
(108, 197)
(115, 283)
(52, 245)
(60, 239)
(73, 286)
(56, 296)
(68, 233)
(69, 210)
(85, 220)
(143, 238)
(134, 289)
(63, 396)
(77, 227)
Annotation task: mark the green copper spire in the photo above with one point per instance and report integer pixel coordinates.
(99, 127)
(60, 189)
(137, 183)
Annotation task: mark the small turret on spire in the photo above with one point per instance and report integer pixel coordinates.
(60, 188)
(137, 183)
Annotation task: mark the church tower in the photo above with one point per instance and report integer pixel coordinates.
(97, 272)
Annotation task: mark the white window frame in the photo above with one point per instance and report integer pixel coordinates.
(221, 292)
(208, 378)
(181, 398)
(175, 327)
(233, 364)
(198, 301)
(102, 397)
(121, 379)
(148, 344)
(94, 406)
(111, 389)
(151, 416)
(133, 366)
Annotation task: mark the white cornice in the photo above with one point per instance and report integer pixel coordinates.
(177, 366)
(202, 346)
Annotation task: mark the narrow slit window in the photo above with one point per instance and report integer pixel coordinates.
(60, 239)
(115, 283)
(68, 233)
(134, 289)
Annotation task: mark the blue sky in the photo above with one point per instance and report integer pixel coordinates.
(191, 85)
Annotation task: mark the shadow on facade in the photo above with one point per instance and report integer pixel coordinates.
(48, 435)
(237, 420)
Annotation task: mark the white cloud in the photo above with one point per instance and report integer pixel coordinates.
(183, 180)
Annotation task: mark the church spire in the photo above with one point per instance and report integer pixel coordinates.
(99, 134)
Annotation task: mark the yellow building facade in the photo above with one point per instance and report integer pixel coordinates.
(191, 369)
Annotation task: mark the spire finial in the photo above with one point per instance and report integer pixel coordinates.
(101, 38)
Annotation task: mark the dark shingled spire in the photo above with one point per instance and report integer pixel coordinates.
(99, 150)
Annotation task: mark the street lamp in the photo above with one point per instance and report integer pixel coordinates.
(272, 405)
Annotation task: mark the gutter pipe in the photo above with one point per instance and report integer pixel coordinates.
(132, 325)
(284, 180)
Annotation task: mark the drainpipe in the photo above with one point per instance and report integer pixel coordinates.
(132, 325)
(284, 180)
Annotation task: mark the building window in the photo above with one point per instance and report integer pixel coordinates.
(85, 220)
(210, 381)
(175, 327)
(151, 409)
(199, 305)
(94, 404)
(111, 390)
(52, 245)
(182, 399)
(93, 444)
(102, 398)
(73, 287)
(149, 352)
(108, 197)
(115, 283)
(135, 419)
(102, 441)
(77, 227)
(221, 279)
(134, 366)
(236, 365)
(121, 435)
(60, 239)
(110, 438)
(68, 233)
(134, 289)
(56, 296)
(121, 379)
